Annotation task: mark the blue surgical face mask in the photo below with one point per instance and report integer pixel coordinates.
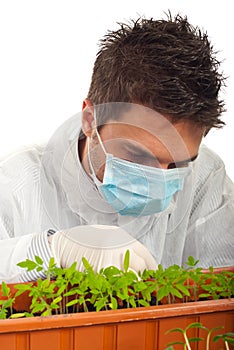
(137, 190)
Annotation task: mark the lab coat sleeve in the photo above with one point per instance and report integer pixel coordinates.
(210, 237)
(16, 242)
(17, 249)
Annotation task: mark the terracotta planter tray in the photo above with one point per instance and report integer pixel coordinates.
(126, 329)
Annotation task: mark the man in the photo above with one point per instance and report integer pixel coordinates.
(136, 163)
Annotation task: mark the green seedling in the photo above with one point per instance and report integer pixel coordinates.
(65, 290)
(228, 338)
(6, 304)
(184, 332)
(220, 285)
(168, 284)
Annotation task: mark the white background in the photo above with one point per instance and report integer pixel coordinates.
(47, 51)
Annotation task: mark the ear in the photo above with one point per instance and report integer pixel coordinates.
(88, 122)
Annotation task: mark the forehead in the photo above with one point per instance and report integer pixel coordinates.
(155, 132)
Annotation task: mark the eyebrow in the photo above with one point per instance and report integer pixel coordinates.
(138, 150)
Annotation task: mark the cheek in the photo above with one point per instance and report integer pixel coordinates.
(100, 173)
(98, 160)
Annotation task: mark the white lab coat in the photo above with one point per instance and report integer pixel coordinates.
(44, 187)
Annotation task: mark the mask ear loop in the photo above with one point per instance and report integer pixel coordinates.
(98, 135)
(93, 175)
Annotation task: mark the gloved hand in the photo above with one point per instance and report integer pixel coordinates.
(102, 246)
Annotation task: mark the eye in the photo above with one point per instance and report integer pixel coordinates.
(178, 165)
(182, 164)
(171, 166)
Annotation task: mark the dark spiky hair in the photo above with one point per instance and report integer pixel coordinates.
(167, 65)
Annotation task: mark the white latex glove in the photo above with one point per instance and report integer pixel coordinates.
(102, 246)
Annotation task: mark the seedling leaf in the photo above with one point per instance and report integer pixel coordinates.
(204, 295)
(114, 304)
(5, 289)
(175, 330)
(175, 342)
(28, 264)
(175, 292)
(86, 264)
(194, 325)
(52, 263)
(126, 260)
(183, 289)
(191, 261)
(163, 292)
(229, 337)
(18, 315)
(72, 302)
(57, 300)
(38, 260)
(195, 339)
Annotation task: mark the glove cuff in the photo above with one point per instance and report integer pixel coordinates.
(39, 246)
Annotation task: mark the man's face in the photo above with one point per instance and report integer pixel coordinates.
(144, 136)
